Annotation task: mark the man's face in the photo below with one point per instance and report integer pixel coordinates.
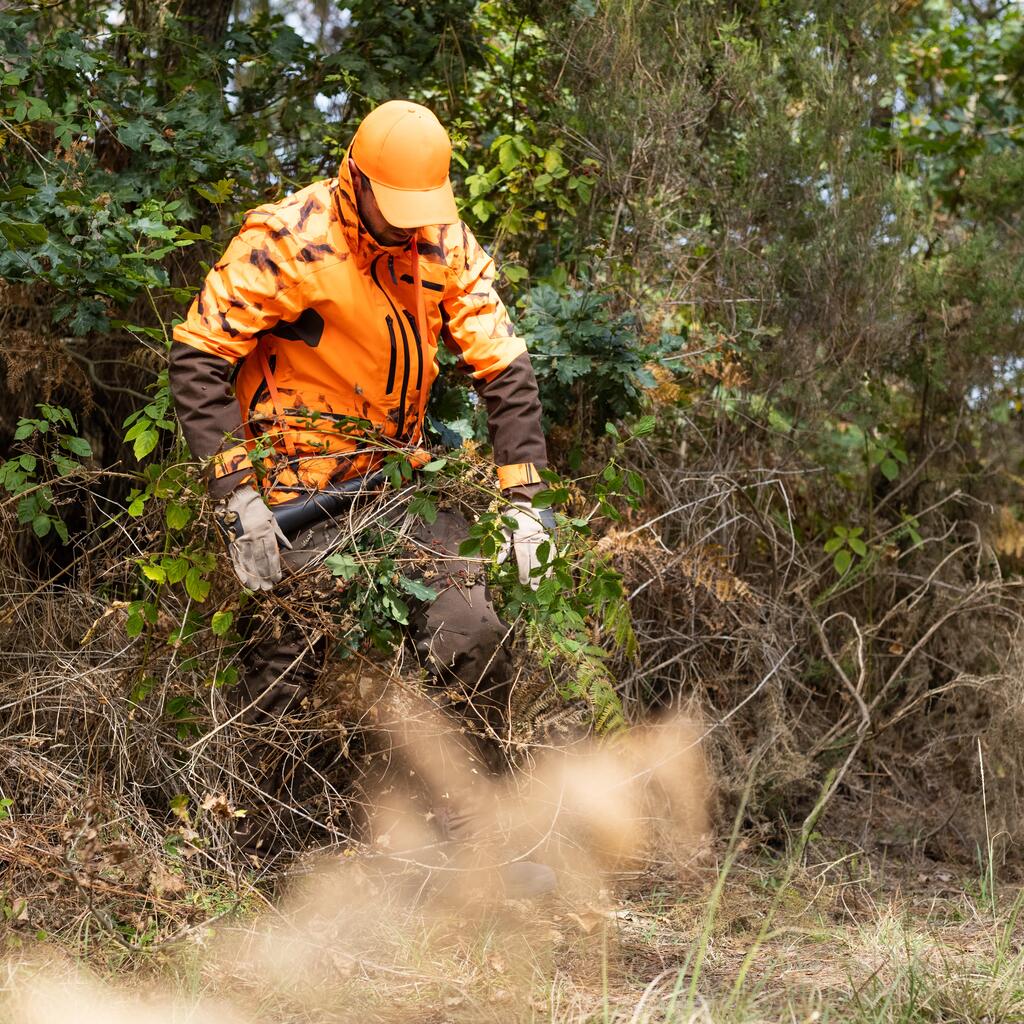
(369, 212)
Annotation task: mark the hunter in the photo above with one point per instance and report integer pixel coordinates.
(328, 307)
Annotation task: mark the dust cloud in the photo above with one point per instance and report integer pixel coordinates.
(406, 915)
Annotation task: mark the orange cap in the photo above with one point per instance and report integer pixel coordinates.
(405, 152)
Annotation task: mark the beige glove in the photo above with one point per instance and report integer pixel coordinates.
(533, 527)
(253, 536)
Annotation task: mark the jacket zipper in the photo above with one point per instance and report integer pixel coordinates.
(419, 348)
(400, 430)
(394, 354)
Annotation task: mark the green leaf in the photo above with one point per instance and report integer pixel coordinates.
(423, 506)
(143, 688)
(145, 443)
(833, 544)
(132, 133)
(221, 622)
(77, 446)
(226, 677)
(22, 234)
(644, 426)
(508, 156)
(858, 546)
(65, 466)
(179, 808)
(156, 573)
(842, 561)
(890, 468)
(778, 421)
(218, 192)
(178, 516)
(344, 566)
(41, 525)
(470, 547)
(417, 589)
(195, 586)
(19, 192)
(550, 496)
(397, 608)
(28, 463)
(176, 568)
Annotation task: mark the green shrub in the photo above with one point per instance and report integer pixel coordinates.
(591, 364)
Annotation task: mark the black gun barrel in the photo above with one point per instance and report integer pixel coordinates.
(298, 513)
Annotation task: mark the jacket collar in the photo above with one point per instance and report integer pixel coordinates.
(359, 241)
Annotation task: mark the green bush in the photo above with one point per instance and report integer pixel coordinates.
(591, 364)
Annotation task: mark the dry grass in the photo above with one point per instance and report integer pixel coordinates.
(871, 730)
(863, 943)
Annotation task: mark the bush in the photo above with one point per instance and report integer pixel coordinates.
(591, 364)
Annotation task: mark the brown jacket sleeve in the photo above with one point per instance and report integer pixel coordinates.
(208, 411)
(513, 422)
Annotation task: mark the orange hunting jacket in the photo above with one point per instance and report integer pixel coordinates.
(310, 349)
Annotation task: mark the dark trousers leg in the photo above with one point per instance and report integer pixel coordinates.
(280, 669)
(462, 641)
(459, 638)
(278, 673)
(459, 635)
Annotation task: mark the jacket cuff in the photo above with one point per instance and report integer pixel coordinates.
(518, 474)
(230, 469)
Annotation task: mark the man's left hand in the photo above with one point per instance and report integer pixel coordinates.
(533, 527)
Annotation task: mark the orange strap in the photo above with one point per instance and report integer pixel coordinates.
(275, 397)
(421, 323)
(517, 474)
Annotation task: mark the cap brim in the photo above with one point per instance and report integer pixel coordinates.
(402, 208)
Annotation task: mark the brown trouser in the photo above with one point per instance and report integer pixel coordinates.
(458, 637)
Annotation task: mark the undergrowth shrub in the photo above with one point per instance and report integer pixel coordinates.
(780, 254)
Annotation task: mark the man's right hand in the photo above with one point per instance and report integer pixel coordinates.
(254, 538)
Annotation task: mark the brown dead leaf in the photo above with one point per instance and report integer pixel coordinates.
(217, 804)
(119, 852)
(587, 920)
(164, 882)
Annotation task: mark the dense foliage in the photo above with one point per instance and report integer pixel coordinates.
(777, 245)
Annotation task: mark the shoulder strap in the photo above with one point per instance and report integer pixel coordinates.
(275, 397)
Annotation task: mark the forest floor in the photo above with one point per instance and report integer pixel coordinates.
(837, 937)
